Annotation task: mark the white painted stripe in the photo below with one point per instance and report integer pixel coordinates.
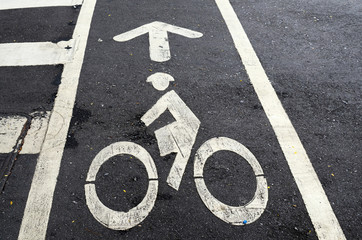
(323, 218)
(35, 135)
(14, 4)
(10, 131)
(39, 203)
(36, 53)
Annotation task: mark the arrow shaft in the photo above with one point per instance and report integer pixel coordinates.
(159, 46)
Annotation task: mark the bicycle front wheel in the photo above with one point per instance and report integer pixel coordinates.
(239, 215)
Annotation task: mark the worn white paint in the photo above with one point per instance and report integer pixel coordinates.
(11, 128)
(320, 211)
(40, 198)
(251, 211)
(118, 220)
(158, 38)
(120, 148)
(36, 133)
(36, 53)
(177, 137)
(15, 4)
(160, 81)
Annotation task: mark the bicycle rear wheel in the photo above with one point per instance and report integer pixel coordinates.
(118, 220)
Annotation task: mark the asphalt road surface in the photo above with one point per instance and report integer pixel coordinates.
(186, 119)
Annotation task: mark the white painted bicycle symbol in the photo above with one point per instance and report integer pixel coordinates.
(177, 137)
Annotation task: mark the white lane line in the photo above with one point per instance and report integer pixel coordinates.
(36, 53)
(320, 211)
(40, 198)
(15, 4)
(10, 130)
(35, 135)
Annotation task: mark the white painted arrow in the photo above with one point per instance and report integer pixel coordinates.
(158, 38)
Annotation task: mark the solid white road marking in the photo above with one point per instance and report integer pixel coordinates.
(160, 81)
(39, 203)
(158, 38)
(320, 211)
(15, 4)
(35, 135)
(36, 53)
(10, 131)
(118, 220)
(177, 137)
(240, 215)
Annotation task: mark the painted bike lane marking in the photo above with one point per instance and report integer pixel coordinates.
(254, 69)
(319, 209)
(176, 137)
(158, 38)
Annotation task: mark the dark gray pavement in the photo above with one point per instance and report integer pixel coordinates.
(311, 52)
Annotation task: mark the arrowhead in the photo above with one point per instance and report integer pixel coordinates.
(132, 34)
(158, 26)
(158, 38)
(161, 26)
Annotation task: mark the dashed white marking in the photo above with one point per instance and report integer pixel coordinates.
(158, 38)
(320, 211)
(39, 203)
(177, 137)
(36, 53)
(35, 135)
(10, 130)
(119, 220)
(240, 215)
(15, 4)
